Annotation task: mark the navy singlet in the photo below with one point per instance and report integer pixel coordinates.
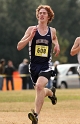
(40, 49)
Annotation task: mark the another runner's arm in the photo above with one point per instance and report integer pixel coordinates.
(76, 47)
(56, 49)
(29, 34)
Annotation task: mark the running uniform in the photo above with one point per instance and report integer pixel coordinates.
(40, 55)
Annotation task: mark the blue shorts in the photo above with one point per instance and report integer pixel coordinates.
(39, 70)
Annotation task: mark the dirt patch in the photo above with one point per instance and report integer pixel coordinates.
(61, 113)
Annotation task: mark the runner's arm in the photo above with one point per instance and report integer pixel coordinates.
(29, 34)
(76, 47)
(56, 49)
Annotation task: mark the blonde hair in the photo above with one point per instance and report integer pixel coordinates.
(48, 9)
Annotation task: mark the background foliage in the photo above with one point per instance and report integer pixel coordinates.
(17, 15)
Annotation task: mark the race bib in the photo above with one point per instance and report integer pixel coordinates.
(41, 50)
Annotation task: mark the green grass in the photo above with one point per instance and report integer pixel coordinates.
(29, 95)
(68, 94)
(17, 96)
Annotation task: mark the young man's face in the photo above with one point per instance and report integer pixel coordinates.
(43, 16)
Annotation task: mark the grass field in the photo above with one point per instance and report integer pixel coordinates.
(15, 105)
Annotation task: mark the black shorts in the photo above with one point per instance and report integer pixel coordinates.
(40, 70)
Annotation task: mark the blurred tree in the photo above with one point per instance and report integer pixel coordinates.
(17, 15)
(66, 21)
(64, 43)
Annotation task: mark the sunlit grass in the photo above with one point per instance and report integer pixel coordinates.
(29, 95)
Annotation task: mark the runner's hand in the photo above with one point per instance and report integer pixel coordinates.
(33, 32)
(56, 50)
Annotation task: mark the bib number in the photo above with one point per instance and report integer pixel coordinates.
(41, 50)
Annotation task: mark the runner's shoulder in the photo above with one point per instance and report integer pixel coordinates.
(52, 29)
(30, 28)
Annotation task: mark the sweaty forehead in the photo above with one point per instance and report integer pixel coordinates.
(43, 10)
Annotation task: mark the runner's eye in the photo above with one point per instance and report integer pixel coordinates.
(44, 13)
(40, 13)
